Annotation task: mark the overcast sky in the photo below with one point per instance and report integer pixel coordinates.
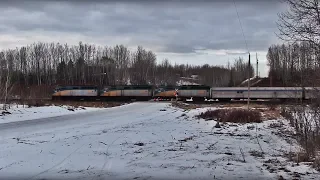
(184, 31)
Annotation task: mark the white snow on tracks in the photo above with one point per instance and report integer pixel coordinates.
(145, 141)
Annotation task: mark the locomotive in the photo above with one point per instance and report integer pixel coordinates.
(130, 92)
(184, 92)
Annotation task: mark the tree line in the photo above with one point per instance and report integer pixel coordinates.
(296, 64)
(51, 64)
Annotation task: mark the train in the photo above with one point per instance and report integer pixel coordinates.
(184, 93)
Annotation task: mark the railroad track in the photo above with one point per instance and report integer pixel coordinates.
(276, 102)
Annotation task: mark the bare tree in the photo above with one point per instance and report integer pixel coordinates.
(35, 69)
(300, 25)
(301, 22)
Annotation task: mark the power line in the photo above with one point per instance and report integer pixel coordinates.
(244, 37)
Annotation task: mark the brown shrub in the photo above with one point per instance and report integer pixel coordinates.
(34, 103)
(305, 120)
(232, 115)
(212, 114)
(286, 114)
(302, 157)
(185, 106)
(243, 116)
(316, 163)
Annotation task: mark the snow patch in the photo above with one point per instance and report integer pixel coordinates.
(23, 113)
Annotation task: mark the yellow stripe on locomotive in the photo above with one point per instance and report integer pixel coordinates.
(111, 93)
(166, 93)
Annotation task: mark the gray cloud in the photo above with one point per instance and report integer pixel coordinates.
(178, 26)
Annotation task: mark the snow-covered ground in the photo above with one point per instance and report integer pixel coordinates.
(22, 113)
(145, 141)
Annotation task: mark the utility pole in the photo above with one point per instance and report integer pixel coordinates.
(249, 82)
(257, 75)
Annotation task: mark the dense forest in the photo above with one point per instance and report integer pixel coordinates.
(36, 69)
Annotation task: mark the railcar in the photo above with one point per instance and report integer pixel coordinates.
(196, 92)
(75, 92)
(238, 93)
(165, 92)
(311, 93)
(127, 92)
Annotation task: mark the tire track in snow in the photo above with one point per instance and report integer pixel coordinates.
(105, 163)
(45, 171)
(106, 118)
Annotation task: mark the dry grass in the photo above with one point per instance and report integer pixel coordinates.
(268, 112)
(186, 106)
(232, 115)
(271, 114)
(212, 114)
(301, 156)
(183, 105)
(245, 105)
(316, 163)
(306, 122)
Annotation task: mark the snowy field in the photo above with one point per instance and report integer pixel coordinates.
(144, 141)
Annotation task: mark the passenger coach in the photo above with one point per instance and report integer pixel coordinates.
(237, 93)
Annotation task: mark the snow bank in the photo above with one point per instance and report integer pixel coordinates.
(23, 113)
